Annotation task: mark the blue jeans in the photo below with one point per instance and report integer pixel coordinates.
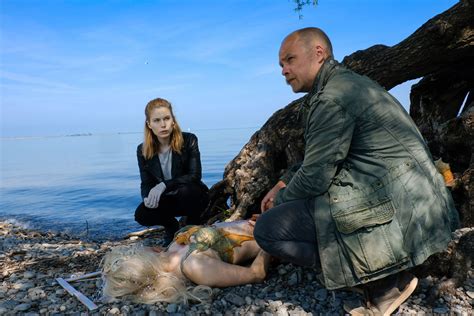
(287, 232)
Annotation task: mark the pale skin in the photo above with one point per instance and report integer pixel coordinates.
(206, 267)
(300, 62)
(161, 123)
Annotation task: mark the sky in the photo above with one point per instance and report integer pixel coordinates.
(90, 66)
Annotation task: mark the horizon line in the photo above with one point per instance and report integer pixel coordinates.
(85, 134)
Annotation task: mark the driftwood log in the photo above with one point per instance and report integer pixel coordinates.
(441, 52)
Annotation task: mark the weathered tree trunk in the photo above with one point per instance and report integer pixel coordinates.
(443, 41)
(270, 151)
(452, 265)
(441, 50)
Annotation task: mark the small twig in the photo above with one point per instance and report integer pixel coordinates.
(82, 277)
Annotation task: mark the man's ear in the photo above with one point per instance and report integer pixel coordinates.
(320, 53)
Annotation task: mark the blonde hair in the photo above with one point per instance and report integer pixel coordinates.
(136, 272)
(151, 145)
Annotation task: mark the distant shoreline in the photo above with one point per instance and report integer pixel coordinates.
(117, 133)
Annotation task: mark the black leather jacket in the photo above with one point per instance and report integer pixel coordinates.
(185, 167)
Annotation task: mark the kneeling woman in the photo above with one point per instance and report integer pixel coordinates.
(207, 256)
(170, 172)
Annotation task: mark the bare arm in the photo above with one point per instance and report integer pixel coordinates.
(203, 269)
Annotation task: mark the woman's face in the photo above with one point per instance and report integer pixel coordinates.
(161, 123)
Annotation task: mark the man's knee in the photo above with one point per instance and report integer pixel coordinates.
(263, 232)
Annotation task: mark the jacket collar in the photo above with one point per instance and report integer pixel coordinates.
(323, 75)
(320, 81)
(155, 167)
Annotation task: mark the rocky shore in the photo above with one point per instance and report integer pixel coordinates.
(31, 261)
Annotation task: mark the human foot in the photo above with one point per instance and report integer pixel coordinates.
(260, 265)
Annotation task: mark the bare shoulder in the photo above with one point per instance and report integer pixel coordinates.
(196, 262)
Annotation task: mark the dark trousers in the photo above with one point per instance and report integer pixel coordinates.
(287, 232)
(187, 200)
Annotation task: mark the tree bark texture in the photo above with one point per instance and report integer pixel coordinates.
(441, 51)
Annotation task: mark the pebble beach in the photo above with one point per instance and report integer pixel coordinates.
(31, 261)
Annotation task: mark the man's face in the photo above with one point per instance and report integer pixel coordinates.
(299, 64)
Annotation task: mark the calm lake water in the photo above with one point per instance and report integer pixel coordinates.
(89, 186)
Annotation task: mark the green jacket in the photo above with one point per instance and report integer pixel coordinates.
(380, 204)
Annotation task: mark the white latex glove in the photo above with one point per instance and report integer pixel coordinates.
(153, 198)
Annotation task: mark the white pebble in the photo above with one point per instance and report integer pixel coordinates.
(28, 275)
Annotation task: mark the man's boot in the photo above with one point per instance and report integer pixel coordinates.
(384, 296)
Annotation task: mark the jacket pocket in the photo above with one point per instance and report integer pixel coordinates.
(370, 236)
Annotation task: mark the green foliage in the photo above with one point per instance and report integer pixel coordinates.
(300, 4)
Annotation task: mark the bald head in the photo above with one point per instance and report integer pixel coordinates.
(302, 55)
(311, 36)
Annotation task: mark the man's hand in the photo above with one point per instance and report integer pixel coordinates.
(267, 201)
(153, 198)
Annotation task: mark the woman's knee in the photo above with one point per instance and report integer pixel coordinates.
(192, 196)
(142, 215)
(189, 191)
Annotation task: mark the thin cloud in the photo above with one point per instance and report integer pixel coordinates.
(266, 70)
(34, 81)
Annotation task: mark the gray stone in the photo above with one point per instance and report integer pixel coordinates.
(457, 310)
(139, 312)
(275, 304)
(321, 295)
(260, 303)
(9, 304)
(470, 294)
(336, 302)
(60, 292)
(36, 293)
(114, 311)
(441, 310)
(171, 308)
(282, 311)
(22, 307)
(22, 286)
(426, 282)
(3, 310)
(235, 299)
(282, 271)
(293, 279)
(248, 300)
(125, 309)
(13, 277)
(29, 274)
